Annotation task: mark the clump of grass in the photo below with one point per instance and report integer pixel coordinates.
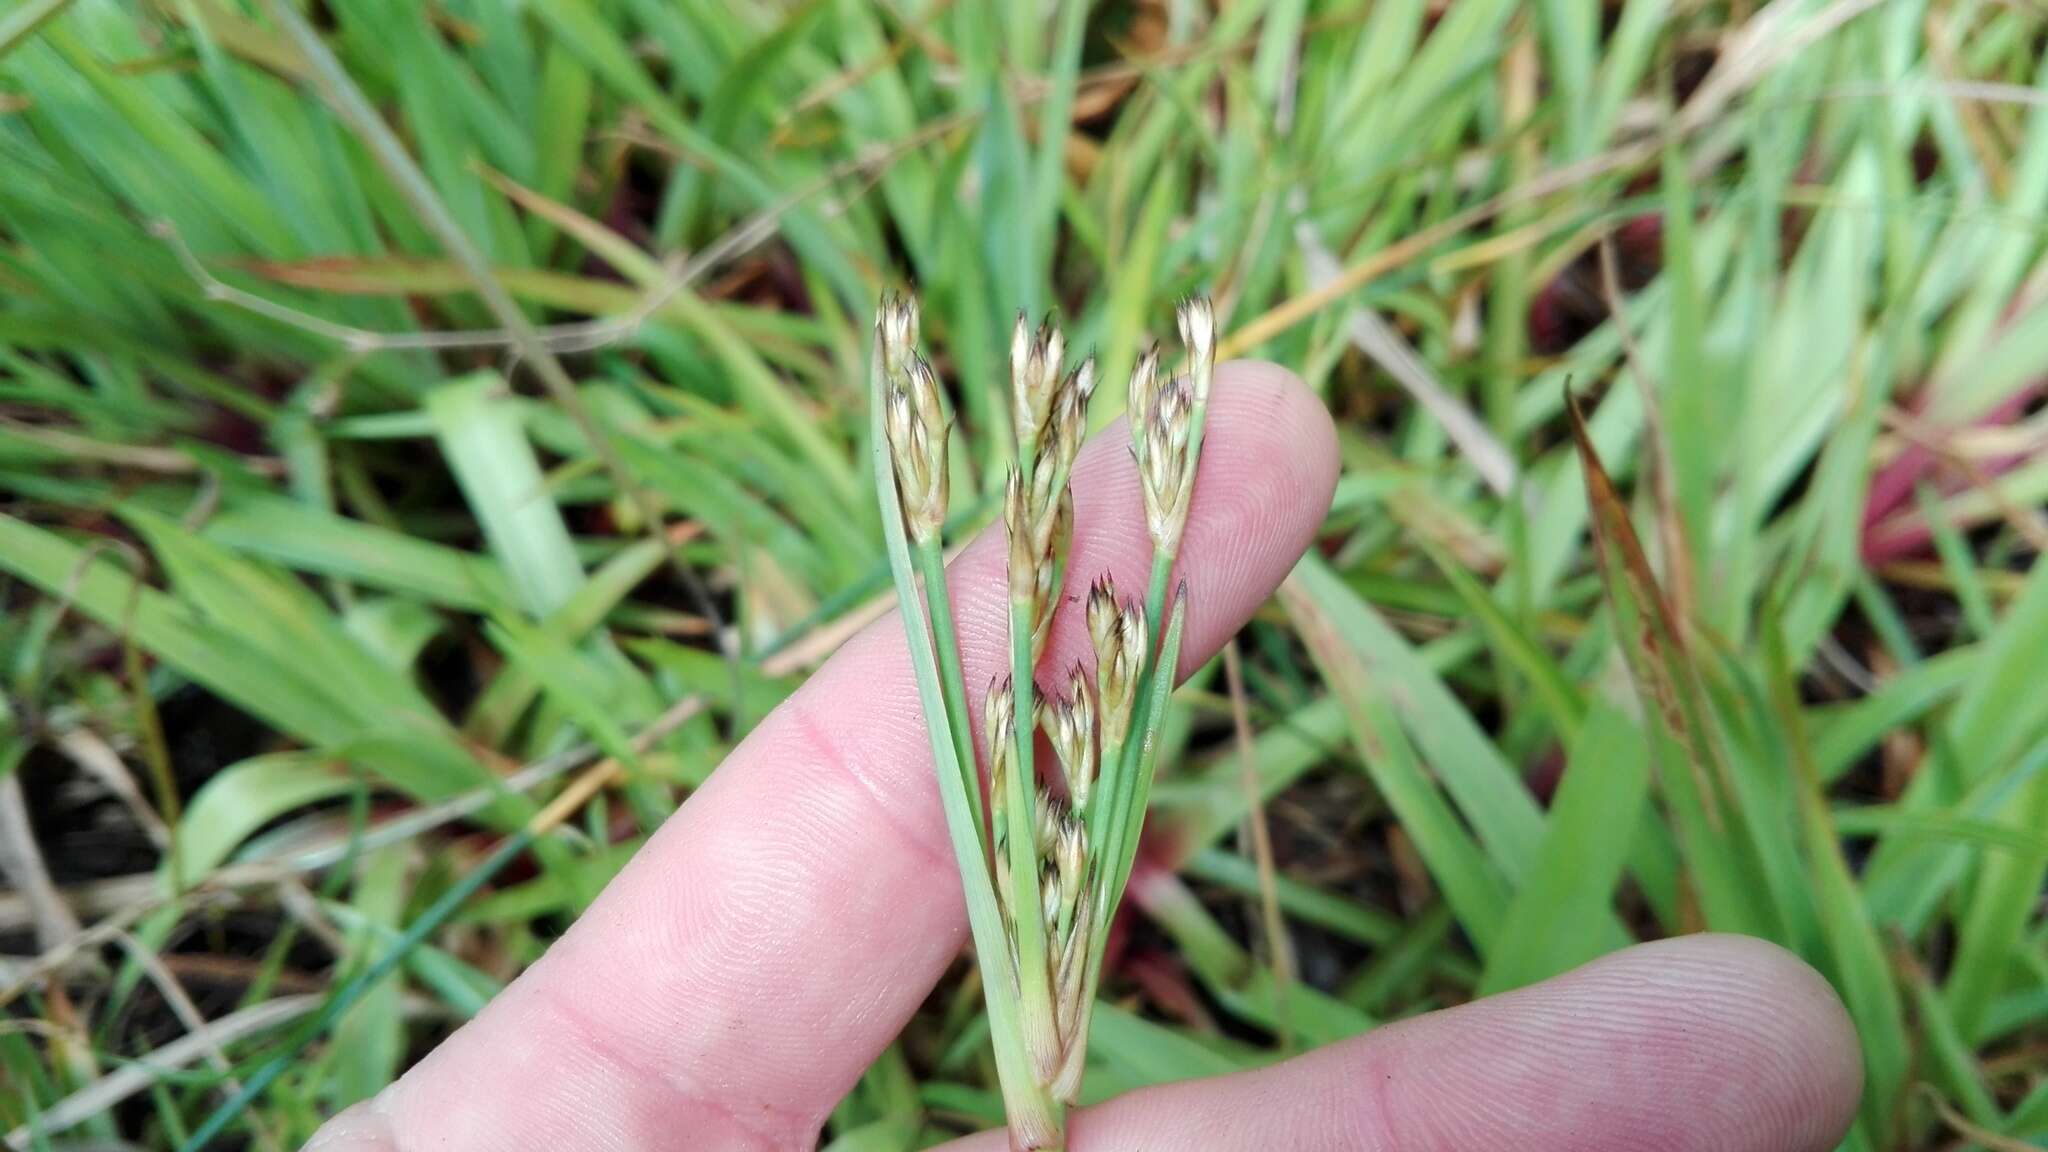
(1043, 869)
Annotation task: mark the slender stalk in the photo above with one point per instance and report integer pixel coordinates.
(931, 568)
(1155, 602)
(1161, 691)
(1135, 773)
(1035, 1118)
(1034, 983)
(1113, 866)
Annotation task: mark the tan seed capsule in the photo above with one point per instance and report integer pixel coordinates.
(1084, 381)
(1070, 855)
(1020, 349)
(1073, 738)
(1131, 638)
(999, 713)
(1116, 678)
(1046, 576)
(1163, 466)
(1068, 990)
(1034, 377)
(998, 730)
(1102, 618)
(1064, 433)
(1047, 818)
(1049, 905)
(1017, 526)
(1138, 402)
(896, 326)
(1045, 600)
(1197, 318)
(900, 418)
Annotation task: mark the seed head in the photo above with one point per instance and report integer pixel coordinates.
(1003, 896)
(1143, 388)
(1034, 375)
(999, 714)
(1197, 318)
(1133, 645)
(999, 733)
(1070, 859)
(917, 427)
(896, 326)
(1162, 465)
(1046, 576)
(1049, 901)
(1072, 728)
(1047, 818)
(1017, 525)
(1067, 984)
(1064, 431)
(1102, 618)
(1117, 669)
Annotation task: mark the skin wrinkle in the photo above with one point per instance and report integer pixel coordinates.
(739, 1131)
(816, 745)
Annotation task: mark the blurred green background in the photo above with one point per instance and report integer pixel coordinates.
(400, 400)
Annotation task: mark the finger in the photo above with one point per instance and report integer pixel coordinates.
(1721, 1043)
(729, 986)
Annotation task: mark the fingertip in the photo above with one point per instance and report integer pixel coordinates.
(359, 1128)
(1739, 1040)
(1292, 411)
(1788, 999)
(1271, 425)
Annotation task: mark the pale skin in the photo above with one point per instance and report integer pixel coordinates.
(734, 981)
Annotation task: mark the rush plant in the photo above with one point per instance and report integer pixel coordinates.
(1045, 855)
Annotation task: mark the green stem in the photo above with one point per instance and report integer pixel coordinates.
(1034, 1116)
(1142, 756)
(931, 567)
(1109, 776)
(1155, 602)
(1124, 792)
(1113, 865)
(1034, 983)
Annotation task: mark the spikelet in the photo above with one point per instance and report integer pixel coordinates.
(1051, 566)
(1163, 470)
(999, 733)
(1102, 613)
(1046, 821)
(1071, 725)
(1017, 528)
(1197, 320)
(1119, 662)
(1049, 900)
(1144, 386)
(1069, 997)
(1034, 376)
(915, 419)
(1164, 415)
(1064, 431)
(1070, 864)
(917, 443)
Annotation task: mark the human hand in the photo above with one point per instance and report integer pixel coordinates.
(729, 987)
